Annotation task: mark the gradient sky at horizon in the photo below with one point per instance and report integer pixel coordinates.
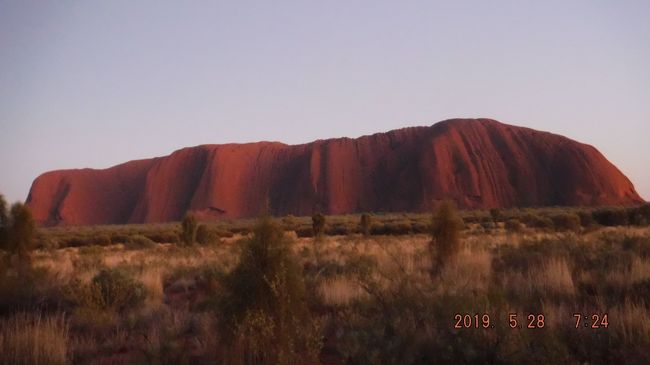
(94, 84)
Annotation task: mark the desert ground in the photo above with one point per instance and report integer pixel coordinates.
(522, 287)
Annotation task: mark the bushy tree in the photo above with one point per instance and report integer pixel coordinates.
(446, 225)
(365, 224)
(18, 230)
(264, 307)
(188, 229)
(318, 224)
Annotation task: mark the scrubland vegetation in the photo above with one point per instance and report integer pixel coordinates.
(382, 289)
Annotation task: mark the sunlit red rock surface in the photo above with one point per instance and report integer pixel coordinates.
(479, 163)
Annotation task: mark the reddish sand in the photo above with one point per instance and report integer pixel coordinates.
(479, 163)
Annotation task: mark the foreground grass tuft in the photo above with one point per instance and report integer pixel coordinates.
(34, 339)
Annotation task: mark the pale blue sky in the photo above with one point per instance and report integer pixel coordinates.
(96, 83)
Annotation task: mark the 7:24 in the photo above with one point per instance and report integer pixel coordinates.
(594, 321)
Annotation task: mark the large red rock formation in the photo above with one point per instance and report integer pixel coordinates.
(479, 163)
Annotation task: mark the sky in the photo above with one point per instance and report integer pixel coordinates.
(97, 83)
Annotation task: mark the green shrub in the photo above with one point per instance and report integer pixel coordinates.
(205, 235)
(118, 290)
(567, 222)
(611, 217)
(318, 224)
(513, 225)
(264, 311)
(188, 229)
(365, 224)
(112, 289)
(446, 225)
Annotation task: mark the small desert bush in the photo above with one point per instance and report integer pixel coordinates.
(644, 213)
(139, 241)
(18, 231)
(206, 235)
(318, 224)
(337, 229)
(611, 217)
(586, 219)
(304, 232)
(25, 288)
(397, 228)
(567, 222)
(365, 224)
(446, 225)
(188, 229)
(537, 221)
(111, 289)
(488, 226)
(34, 339)
(264, 307)
(419, 228)
(163, 236)
(496, 214)
(118, 290)
(289, 223)
(513, 225)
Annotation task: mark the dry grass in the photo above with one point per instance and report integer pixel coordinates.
(152, 278)
(631, 321)
(469, 273)
(639, 270)
(553, 283)
(340, 291)
(31, 339)
(554, 277)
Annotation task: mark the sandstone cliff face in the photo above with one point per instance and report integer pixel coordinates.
(479, 163)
